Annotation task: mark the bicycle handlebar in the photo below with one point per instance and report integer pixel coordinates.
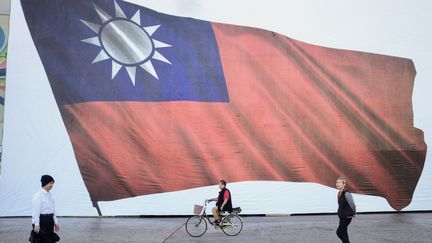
(207, 201)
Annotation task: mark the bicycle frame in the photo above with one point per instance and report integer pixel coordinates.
(204, 214)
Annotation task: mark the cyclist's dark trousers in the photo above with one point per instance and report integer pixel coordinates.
(342, 230)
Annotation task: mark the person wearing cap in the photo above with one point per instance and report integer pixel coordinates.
(44, 218)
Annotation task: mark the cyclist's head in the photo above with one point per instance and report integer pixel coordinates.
(222, 184)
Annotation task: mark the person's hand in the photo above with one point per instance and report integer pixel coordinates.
(221, 209)
(36, 229)
(57, 228)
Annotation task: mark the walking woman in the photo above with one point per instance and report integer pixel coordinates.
(346, 209)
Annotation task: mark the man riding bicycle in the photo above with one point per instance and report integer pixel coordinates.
(223, 202)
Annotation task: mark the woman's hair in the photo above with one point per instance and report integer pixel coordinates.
(342, 179)
(223, 182)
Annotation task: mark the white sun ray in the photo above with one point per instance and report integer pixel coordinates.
(119, 12)
(92, 26)
(138, 49)
(137, 17)
(151, 29)
(148, 66)
(102, 14)
(93, 41)
(131, 71)
(159, 57)
(160, 44)
(115, 69)
(101, 56)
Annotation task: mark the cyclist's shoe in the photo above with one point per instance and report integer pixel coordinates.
(216, 224)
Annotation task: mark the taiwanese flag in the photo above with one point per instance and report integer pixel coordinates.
(157, 103)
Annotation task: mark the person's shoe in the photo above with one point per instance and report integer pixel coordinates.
(216, 224)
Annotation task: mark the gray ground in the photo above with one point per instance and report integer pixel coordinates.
(407, 227)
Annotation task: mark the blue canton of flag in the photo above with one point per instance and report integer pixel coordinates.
(114, 51)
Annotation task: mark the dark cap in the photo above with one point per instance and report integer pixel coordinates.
(45, 179)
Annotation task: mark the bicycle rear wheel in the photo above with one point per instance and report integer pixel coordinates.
(196, 226)
(232, 225)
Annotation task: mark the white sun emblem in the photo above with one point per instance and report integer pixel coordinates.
(125, 42)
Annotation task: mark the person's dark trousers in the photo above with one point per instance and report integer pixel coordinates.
(46, 223)
(342, 230)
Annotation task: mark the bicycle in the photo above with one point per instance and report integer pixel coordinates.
(231, 223)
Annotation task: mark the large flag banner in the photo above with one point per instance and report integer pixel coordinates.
(157, 103)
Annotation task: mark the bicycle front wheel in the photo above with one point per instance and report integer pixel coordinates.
(196, 226)
(232, 225)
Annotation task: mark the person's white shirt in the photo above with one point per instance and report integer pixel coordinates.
(43, 203)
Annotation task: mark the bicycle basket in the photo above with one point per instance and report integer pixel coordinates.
(198, 209)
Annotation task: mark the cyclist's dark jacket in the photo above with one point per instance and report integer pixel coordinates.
(228, 205)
